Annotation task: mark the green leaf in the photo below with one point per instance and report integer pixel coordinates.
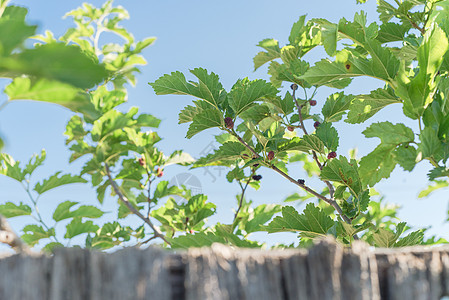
(417, 92)
(336, 106)
(208, 87)
(311, 142)
(11, 168)
(50, 247)
(13, 29)
(406, 157)
(329, 35)
(63, 211)
(261, 214)
(438, 172)
(46, 90)
(10, 210)
(430, 145)
(72, 66)
(196, 240)
(55, 181)
(345, 172)
(312, 222)
(326, 72)
(77, 227)
(227, 151)
(412, 239)
(246, 92)
(392, 32)
(389, 133)
(364, 107)
(433, 186)
(207, 118)
(377, 165)
(386, 238)
(273, 52)
(328, 135)
(34, 233)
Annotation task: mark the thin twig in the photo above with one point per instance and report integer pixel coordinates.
(315, 157)
(241, 198)
(332, 202)
(156, 230)
(9, 237)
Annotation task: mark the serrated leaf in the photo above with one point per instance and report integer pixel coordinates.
(196, 240)
(262, 214)
(418, 91)
(328, 135)
(273, 52)
(336, 106)
(245, 92)
(386, 238)
(345, 172)
(34, 233)
(392, 32)
(364, 107)
(63, 211)
(438, 172)
(312, 222)
(55, 181)
(77, 227)
(406, 157)
(207, 88)
(207, 118)
(329, 35)
(377, 164)
(34, 162)
(50, 247)
(10, 210)
(11, 168)
(326, 72)
(391, 134)
(412, 239)
(430, 145)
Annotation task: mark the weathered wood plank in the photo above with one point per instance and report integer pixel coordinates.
(326, 271)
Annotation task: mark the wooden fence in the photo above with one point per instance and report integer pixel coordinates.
(326, 271)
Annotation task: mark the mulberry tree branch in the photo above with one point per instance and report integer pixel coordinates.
(124, 200)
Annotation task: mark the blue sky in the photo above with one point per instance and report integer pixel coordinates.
(220, 36)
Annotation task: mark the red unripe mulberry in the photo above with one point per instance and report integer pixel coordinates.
(312, 102)
(332, 155)
(270, 155)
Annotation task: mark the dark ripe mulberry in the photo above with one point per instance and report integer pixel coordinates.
(316, 124)
(294, 86)
(142, 161)
(255, 165)
(332, 155)
(312, 102)
(229, 123)
(270, 155)
(290, 128)
(348, 66)
(301, 181)
(257, 177)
